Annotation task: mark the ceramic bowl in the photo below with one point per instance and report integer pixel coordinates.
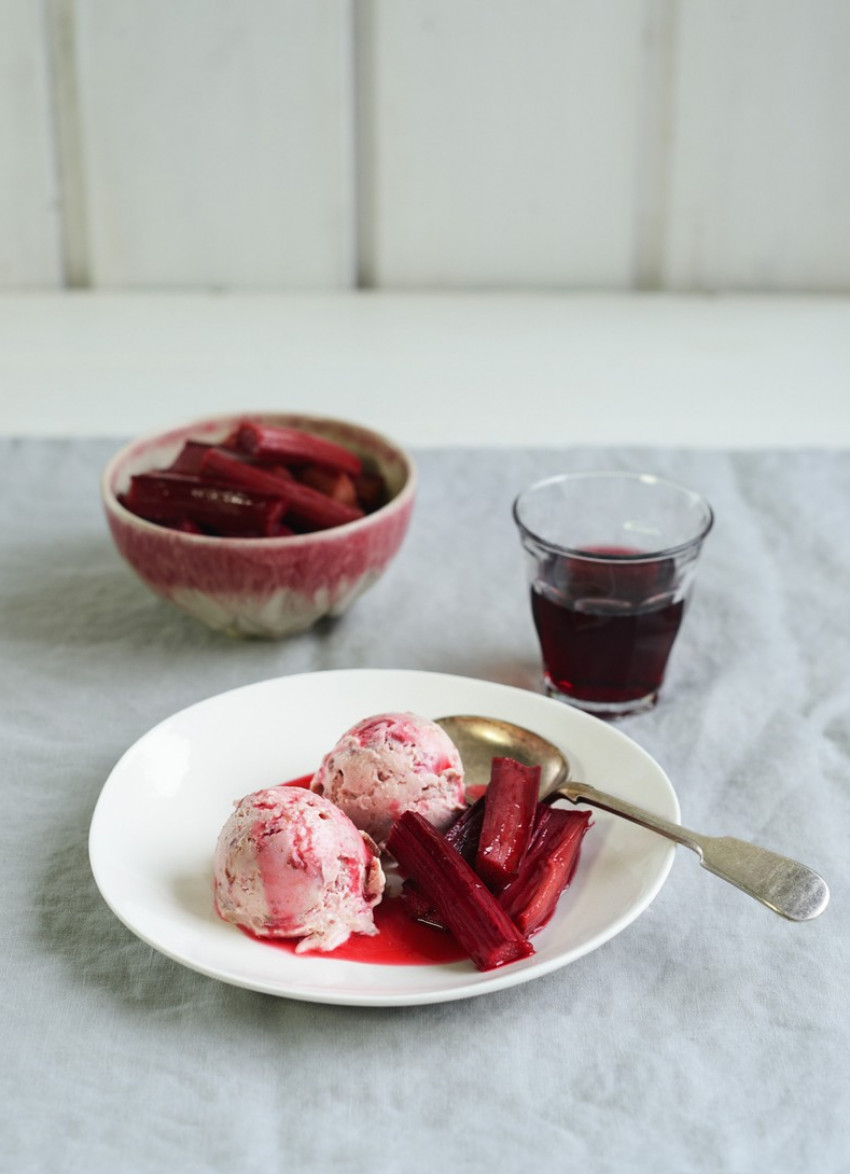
(269, 587)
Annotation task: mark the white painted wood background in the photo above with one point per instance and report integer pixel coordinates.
(683, 145)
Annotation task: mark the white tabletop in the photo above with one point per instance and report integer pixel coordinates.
(436, 369)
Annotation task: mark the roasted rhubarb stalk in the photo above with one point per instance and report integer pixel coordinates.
(508, 821)
(463, 902)
(174, 499)
(371, 491)
(321, 483)
(546, 842)
(465, 833)
(339, 486)
(463, 837)
(189, 459)
(418, 906)
(291, 446)
(303, 504)
(549, 865)
(313, 511)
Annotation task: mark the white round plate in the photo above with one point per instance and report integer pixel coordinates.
(158, 817)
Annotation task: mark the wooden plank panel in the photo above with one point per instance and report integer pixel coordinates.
(30, 253)
(760, 165)
(497, 142)
(217, 142)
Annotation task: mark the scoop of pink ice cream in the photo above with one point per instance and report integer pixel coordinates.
(289, 864)
(391, 763)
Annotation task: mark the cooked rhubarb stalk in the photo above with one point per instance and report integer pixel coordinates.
(303, 505)
(463, 837)
(189, 459)
(225, 466)
(291, 445)
(339, 486)
(549, 865)
(371, 491)
(465, 832)
(170, 498)
(463, 902)
(508, 821)
(418, 907)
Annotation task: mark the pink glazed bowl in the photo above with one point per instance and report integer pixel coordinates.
(269, 587)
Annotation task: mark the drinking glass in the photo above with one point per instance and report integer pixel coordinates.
(611, 559)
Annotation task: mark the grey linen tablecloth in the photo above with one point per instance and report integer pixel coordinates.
(710, 1036)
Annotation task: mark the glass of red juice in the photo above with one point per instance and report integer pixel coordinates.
(611, 559)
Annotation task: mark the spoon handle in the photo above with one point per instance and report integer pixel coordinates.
(785, 886)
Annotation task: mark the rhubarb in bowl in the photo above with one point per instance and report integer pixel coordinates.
(280, 528)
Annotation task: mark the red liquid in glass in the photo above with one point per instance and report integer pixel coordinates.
(606, 630)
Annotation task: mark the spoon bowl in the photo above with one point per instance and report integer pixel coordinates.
(786, 886)
(481, 739)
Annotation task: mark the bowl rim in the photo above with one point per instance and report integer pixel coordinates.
(286, 541)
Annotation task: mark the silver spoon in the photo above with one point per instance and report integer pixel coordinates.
(785, 886)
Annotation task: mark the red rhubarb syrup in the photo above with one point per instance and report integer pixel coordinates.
(400, 941)
(606, 629)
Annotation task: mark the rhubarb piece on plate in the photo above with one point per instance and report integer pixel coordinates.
(288, 864)
(418, 906)
(465, 905)
(508, 821)
(291, 445)
(549, 865)
(463, 836)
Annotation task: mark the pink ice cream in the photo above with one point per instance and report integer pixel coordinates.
(391, 763)
(289, 864)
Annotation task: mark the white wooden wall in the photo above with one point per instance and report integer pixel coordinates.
(324, 144)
